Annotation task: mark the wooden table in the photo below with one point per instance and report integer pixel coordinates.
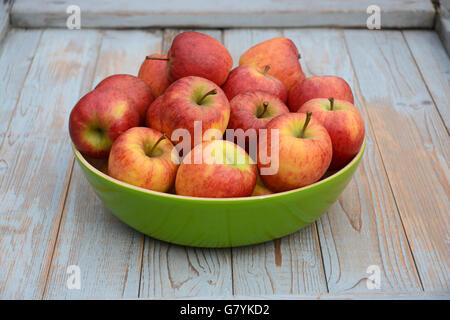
(394, 215)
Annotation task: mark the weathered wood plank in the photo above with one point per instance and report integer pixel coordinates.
(434, 65)
(291, 265)
(413, 143)
(229, 14)
(173, 271)
(333, 296)
(107, 252)
(36, 152)
(363, 227)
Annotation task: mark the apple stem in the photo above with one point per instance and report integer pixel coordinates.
(156, 58)
(265, 105)
(308, 118)
(266, 69)
(156, 144)
(299, 56)
(331, 103)
(213, 91)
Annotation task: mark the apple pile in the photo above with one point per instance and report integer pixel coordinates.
(303, 126)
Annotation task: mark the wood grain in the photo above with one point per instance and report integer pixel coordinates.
(434, 66)
(413, 143)
(219, 14)
(174, 271)
(291, 265)
(363, 227)
(36, 151)
(107, 252)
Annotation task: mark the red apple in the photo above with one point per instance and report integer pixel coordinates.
(344, 125)
(137, 89)
(281, 55)
(249, 78)
(99, 118)
(319, 87)
(197, 54)
(154, 73)
(303, 155)
(193, 99)
(153, 119)
(224, 170)
(254, 110)
(143, 157)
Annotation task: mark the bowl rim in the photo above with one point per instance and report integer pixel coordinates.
(97, 172)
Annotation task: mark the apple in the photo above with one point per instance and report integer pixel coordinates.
(225, 170)
(143, 157)
(154, 73)
(197, 54)
(304, 155)
(281, 55)
(137, 89)
(254, 110)
(260, 188)
(153, 118)
(191, 99)
(99, 118)
(319, 87)
(249, 78)
(344, 125)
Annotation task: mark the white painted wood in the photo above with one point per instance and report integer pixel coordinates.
(291, 265)
(35, 154)
(363, 227)
(107, 251)
(230, 14)
(434, 65)
(173, 271)
(413, 144)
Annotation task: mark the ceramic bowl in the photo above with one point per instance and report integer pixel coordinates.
(209, 222)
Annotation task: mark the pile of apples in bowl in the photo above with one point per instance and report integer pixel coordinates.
(194, 153)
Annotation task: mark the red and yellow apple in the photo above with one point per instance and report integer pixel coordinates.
(99, 118)
(250, 78)
(154, 72)
(344, 125)
(197, 54)
(143, 157)
(192, 99)
(281, 55)
(222, 170)
(254, 110)
(139, 92)
(304, 152)
(319, 87)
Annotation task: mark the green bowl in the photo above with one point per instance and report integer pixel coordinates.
(209, 222)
